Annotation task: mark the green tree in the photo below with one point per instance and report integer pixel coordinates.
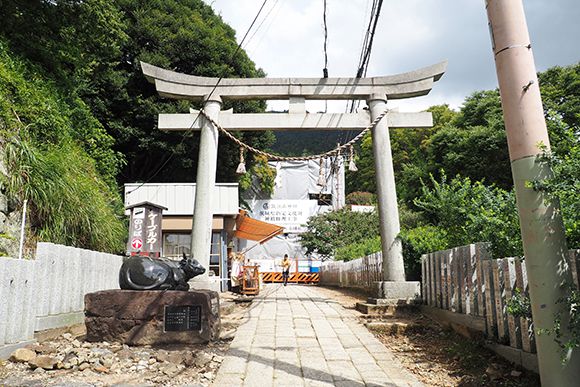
(73, 41)
(184, 36)
(332, 230)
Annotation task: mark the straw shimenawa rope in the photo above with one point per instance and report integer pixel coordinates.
(271, 156)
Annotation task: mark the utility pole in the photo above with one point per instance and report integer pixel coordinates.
(541, 223)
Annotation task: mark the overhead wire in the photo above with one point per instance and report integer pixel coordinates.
(325, 69)
(277, 7)
(366, 49)
(189, 130)
(261, 23)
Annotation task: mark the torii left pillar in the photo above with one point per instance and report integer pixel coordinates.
(206, 172)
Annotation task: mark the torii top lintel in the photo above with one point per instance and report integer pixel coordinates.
(176, 85)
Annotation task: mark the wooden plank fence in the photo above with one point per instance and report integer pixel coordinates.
(467, 280)
(359, 273)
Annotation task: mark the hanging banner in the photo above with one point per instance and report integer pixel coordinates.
(290, 214)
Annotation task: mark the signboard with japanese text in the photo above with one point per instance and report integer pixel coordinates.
(290, 214)
(145, 230)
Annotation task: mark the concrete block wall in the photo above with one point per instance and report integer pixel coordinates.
(48, 292)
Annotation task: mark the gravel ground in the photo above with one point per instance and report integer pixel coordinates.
(437, 356)
(67, 360)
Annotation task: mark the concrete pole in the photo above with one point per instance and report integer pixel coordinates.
(541, 224)
(393, 266)
(205, 183)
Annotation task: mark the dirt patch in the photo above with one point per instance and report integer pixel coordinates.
(69, 360)
(346, 297)
(437, 356)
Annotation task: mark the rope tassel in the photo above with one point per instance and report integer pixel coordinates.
(321, 178)
(271, 156)
(242, 165)
(351, 165)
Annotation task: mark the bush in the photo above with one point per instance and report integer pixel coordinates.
(418, 241)
(56, 155)
(472, 212)
(358, 250)
(361, 198)
(68, 202)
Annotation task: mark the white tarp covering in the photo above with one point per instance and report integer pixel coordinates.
(296, 195)
(295, 199)
(275, 248)
(297, 180)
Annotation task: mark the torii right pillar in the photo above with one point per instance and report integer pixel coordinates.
(542, 229)
(393, 287)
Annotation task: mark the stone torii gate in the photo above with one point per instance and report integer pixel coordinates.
(376, 91)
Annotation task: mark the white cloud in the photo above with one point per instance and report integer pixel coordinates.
(410, 34)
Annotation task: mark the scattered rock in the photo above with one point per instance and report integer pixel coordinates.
(101, 369)
(170, 369)
(175, 357)
(493, 372)
(22, 355)
(43, 348)
(516, 374)
(75, 343)
(125, 354)
(84, 366)
(228, 335)
(202, 359)
(43, 361)
(67, 336)
(188, 358)
(39, 370)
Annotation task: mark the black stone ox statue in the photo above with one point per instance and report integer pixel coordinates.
(145, 273)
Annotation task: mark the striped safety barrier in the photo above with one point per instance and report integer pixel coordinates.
(303, 278)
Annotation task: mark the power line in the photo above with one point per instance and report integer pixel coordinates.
(362, 71)
(261, 23)
(188, 131)
(365, 54)
(325, 69)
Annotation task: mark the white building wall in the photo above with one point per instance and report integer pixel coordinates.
(179, 197)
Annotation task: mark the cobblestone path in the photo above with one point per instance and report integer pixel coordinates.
(294, 336)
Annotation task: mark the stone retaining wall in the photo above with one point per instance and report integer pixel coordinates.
(48, 292)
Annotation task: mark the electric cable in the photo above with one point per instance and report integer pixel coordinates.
(261, 24)
(364, 58)
(325, 69)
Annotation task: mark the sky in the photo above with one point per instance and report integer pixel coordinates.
(287, 41)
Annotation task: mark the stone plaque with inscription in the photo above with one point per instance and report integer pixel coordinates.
(182, 318)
